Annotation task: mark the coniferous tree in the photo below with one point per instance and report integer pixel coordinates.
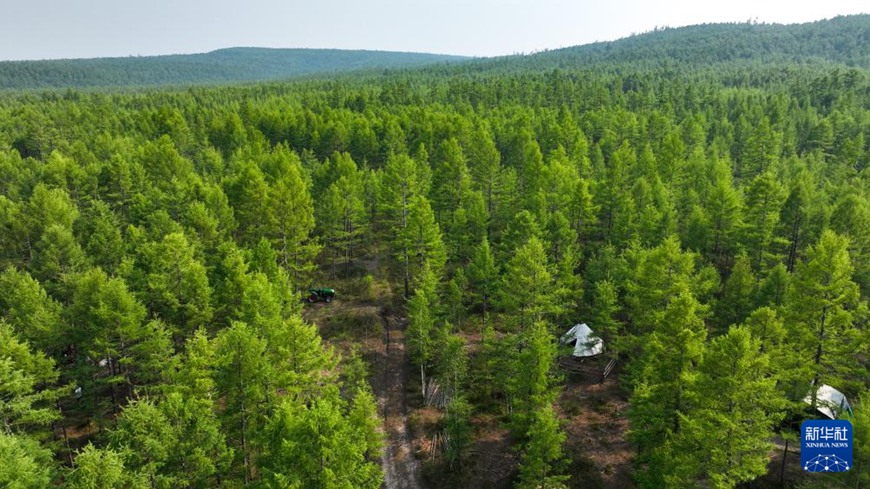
(34, 316)
(316, 446)
(423, 237)
(178, 288)
(542, 453)
(738, 293)
(97, 468)
(174, 442)
(483, 275)
(735, 402)
(242, 373)
(526, 291)
(764, 200)
(422, 313)
(290, 219)
(27, 391)
(822, 309)
(401, 182)
(24, 463)
(605, 307)
(663, 274)
(662, 377)
(458, 429)
(531, 388)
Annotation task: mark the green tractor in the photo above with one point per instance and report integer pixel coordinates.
(322, 294)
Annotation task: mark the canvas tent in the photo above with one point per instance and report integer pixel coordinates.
(830, 402)
(584, 341)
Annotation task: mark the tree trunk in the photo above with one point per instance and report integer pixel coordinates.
(817, 360)
(782, 466)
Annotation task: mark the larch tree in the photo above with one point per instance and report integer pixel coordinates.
(176, 441)
(735, 402)
(605, 310)
(662, 274)
(532, 386)
(102, 468)
(400, 183)
(178, 287)
(316, 446)
(483, 276)
(485, 164)
(822, 310)
(423, 237)
(613, 197)
(764, 200)
(342, 214)
(422, 320)
(663, 376)
(738, 294)
(543, 456)
(451, 184)
(24, 464)
(724, 209)
(34, 316)
(526, 288)
(290, 219)
(27, 387)
(242, 374)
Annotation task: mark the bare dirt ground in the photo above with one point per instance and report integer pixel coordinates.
(368, 320)
(596, 426)
(401, 467)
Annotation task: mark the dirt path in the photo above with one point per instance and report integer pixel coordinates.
(401, 468)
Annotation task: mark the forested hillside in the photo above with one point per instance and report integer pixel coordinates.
(841, 40)
(223, 66)
(156, 248)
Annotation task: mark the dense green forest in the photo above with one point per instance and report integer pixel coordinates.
(231, 65)
(711, 225)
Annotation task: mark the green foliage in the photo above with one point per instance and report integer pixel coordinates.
(662, 188)
(823, 308)
(176, 442)
(735, 396)
(738, 294)
(26, 306)
(528, 292)
(26, 394)
(532, 384)
(458, 429)
(483, 275)
(663, 274)
(663, 375)
(242, 374)
(289, 217)
(605, 307)
(23, 463)
(543, 454)
(422, 315)
(315, 446)
(97, 468)
(178, 288)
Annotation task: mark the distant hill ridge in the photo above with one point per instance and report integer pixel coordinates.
(843, 41)
(231, 65)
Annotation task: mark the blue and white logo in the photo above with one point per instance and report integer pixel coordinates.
(826, 445)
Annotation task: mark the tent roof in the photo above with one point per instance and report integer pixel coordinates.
(830, 401)
(587, 344)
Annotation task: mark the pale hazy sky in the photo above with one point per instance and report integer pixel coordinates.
(40, 29)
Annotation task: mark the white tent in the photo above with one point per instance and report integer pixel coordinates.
(830, 401)
(585, 343)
